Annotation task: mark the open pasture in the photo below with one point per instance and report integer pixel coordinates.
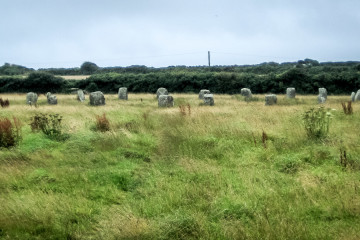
(236, 170)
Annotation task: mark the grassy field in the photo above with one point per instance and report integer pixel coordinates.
(75, 77)
(200, 173)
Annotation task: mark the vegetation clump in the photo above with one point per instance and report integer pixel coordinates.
(10, 133)
(317, 122)
(102, 123)
(49, 124)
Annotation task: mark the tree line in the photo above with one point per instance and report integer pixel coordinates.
(305, 75)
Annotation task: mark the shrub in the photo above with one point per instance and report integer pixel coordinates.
(10, 133)
(49, 124)
(347, 108)
(317, 122)
(102, 123)
(4, 103)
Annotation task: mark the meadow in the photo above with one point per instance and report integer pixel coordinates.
(236, 170)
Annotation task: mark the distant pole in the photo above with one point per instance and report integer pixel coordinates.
(209, 57)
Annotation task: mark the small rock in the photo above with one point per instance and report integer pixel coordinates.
(321, 99)
(161, 91)
(352, 97)
(165, 101)
(323, 93)
(31, 98)
(203, 92)
(97, 98)
(80, 95)
(357, 96)
(246, 92)
(270, 99)
(51, 99)
(123, 93)
(209, 99)
(290, 92)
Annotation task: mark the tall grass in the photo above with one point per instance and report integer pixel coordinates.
(236, 170)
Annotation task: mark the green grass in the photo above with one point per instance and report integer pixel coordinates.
(162, 174)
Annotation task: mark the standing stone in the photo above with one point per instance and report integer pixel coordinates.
(31, 98)
(209, 99)
(165, 101)
(357, 96)
(270, 99)
(290, 93)
(80, 95)
(161, 91)
(97, 98)
(321, 99)
(323, 93)
(123, 93)
(51, 99)
(352, 97)
(246, 92)
(203, 92)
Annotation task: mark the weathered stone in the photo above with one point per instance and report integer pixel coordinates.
(51, 99)
(97, 98)
(290, 92)
(270, 99)
(246, 92)
(352, 97)
(31, 98)
(357, 96)
(203, 92)
(323, 93)
(161, 91)
(209, 99)
(80, 95)
(123, 93)
(321, 99)
(165, 101)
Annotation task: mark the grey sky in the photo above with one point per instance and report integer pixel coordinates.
(160, 33)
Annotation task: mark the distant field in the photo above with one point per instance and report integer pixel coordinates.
(195, 172)
(75, 77)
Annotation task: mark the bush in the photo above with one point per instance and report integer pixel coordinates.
(102, 123)
(4, 103)
(317, 122)
(49, 124)
(10, 133)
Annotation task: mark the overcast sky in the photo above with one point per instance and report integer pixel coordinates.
(160, 33)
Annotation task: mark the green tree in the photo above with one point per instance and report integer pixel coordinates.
(88, 68)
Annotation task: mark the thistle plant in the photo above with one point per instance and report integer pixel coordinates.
(317, 122)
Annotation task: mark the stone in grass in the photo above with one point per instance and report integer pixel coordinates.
(203, 92)
(97, 98)
(123, 93)
(246, 92)
(80, 95)
(321, 99)
(290, 92)
(209, 99)
(323, 93)
(161, 91)
(352, 97)
(165, 101)
(51, 98)
(31, 98)
(270, 99)
(357, 96)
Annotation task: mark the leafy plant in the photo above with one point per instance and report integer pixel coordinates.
(10, 133)
(347, 108)
(317, 122)
(49, 124)
(102, 123)
(4, 103)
